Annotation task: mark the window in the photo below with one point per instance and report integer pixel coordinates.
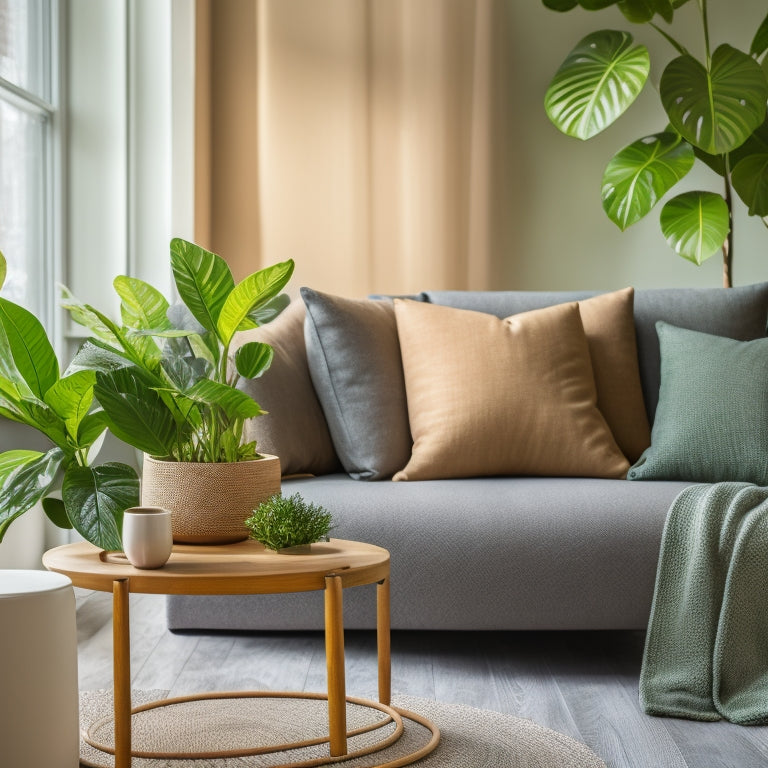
(28, 154)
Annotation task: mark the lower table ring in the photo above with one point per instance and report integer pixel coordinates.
(393, 715)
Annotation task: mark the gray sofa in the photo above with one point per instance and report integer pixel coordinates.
(471, 553)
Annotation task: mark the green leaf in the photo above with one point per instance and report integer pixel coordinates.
(750, 180)
(640, 174)
(665, 9)
(35, 413)
(596, 84)
(135, 412)
(11, 460)
(70, 399)
(203, 280)
(253, 358)
(638, 11)
(760, 40)
(29, 349)
(269, 311)
(253, 292)
(596, 5)
(715, 110)
(143, 306)
(96, 498)
(26, 484)
(3, 269)
(695, 224)
(85, 315)
(137, 350)
(234, 403)
(91, 428)
(715, 162)
(96, 355)
(56, 512)
(560, 5)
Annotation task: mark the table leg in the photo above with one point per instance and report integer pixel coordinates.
(121, 639)
(334, 658)
(383, 641)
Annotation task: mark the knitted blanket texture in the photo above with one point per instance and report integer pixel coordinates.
(706, 650)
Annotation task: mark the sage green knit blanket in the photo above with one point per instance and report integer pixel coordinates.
(706, 651)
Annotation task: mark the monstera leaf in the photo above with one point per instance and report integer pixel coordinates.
(639, 175)
(695, 224)
(716, 109)
(760, 41)
(750, 171)
(597, 82)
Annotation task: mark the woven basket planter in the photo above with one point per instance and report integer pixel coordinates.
(209, 502)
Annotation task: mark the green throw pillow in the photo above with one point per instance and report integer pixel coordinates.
(712, 420)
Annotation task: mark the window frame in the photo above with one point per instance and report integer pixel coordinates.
(42, 294)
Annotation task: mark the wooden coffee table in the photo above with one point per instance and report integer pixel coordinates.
(240, 569)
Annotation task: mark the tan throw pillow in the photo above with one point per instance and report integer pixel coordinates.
(294, 427)
(609, 324)
(502, 397)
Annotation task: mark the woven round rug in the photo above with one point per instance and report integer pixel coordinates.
(469, 737)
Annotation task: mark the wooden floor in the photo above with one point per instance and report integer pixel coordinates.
(583, 684)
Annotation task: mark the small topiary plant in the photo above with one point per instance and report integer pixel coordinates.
(281, 522)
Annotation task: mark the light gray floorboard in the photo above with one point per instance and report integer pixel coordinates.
(583, 684)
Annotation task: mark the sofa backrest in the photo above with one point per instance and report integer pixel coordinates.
(299, 430)
(738, 313)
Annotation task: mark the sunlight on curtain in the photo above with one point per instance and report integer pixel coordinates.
(376, 159)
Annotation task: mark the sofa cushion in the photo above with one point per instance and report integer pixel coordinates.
(502, 397)
(712, 418)
(354, 360)
(294, 427)
(491, 553)
(738, 313)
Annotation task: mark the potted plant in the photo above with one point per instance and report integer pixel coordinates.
(716, 107)
(35, 393)
(167, 386)
(289, 524)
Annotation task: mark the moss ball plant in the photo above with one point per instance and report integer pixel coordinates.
(281, 522)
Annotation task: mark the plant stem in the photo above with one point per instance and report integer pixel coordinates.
(705, 22)
(728, 244)
(679, 47)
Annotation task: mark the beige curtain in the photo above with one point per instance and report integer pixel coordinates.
(366, 139)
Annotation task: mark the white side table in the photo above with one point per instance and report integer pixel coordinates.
(39, 718)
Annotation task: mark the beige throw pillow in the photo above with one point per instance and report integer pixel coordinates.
(294, 427)
(502, 397)
(609, 324)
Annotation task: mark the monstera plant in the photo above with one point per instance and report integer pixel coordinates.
(61, 407)
(716, 110)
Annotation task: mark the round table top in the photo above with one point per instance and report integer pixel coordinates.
(228, 569)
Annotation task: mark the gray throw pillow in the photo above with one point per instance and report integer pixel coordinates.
(294, 427)
(712, 418)
(354, 360)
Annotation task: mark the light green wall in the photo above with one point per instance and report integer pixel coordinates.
(563, 238)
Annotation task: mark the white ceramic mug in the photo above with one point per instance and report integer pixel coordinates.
(147, 539)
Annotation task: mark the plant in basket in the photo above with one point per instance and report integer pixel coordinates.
(167, 387)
